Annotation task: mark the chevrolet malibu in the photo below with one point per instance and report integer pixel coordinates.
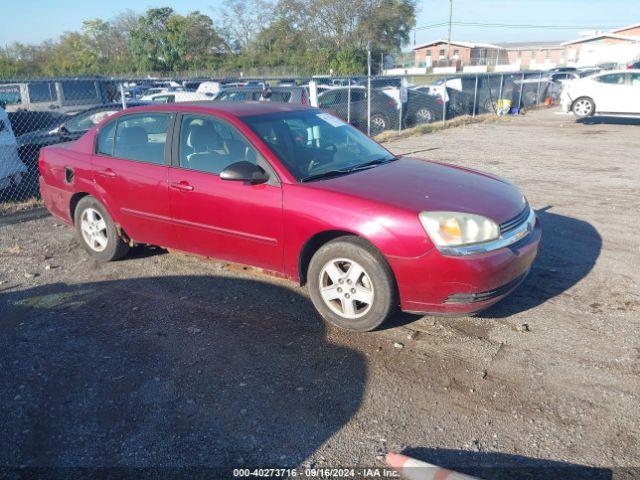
(295, 191)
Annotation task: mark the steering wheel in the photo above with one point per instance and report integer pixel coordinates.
(327, 151)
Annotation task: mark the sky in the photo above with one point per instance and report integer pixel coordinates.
(47, 20)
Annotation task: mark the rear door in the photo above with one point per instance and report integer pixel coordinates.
(130, 173)
(224, 219)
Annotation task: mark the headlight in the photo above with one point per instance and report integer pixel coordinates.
(452, 229)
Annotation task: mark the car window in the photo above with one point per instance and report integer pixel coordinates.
(141, 137)
(282, 97)
(105, 139)
(210, 145)
(358, 95)
(328, 98)
(83, 122)
(164, 99)
(78, 92)
(236, 96)
(42, 92)
(612, 78)
(635, 79)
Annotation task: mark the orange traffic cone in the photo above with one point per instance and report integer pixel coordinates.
(413, 469)
(548, 101)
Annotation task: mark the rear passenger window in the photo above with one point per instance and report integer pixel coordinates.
(105, 139)
(142, 137)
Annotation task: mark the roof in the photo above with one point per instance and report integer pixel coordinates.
(628, 27)
(457, 43)
(616, 36)
(235, 109)
(531, 45)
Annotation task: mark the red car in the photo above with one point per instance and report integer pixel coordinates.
(296, 191)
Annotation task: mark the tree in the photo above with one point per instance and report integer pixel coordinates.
(242, 20)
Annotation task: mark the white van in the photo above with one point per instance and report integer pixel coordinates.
(11, 168)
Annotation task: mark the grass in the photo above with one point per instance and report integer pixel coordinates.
(437, 126)
(13, 207)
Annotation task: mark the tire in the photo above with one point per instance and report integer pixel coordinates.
(335, 280)
(583, 107)
(96, 231)
(424, 115)
(379, 123)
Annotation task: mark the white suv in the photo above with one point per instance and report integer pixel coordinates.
(11, 168)
(615, 93)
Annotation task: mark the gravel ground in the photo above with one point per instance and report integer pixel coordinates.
(165, 360)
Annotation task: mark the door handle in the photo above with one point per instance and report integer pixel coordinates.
(182, 186)
(107, 173)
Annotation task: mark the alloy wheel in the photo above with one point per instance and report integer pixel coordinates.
(346, 288)
(582, 108)
(94, 229)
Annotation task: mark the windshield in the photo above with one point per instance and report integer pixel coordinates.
(311, 143)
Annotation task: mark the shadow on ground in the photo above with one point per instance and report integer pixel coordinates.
(601, 120)
(173, 371)
(567, 253)
(502, 466)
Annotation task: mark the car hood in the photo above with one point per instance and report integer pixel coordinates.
(421, 185)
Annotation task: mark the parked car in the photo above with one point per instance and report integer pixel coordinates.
(148, 95)
(64, 96)
(11, 168)
(294, 190)
(66, 129)
(297, 95)
(174, 97)
(606, 93)
(634, 66)
(353, 107)
(421, 108)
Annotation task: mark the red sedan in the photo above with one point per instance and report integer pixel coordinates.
(296, 191)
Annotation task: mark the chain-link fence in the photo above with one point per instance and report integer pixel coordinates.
(41, 112)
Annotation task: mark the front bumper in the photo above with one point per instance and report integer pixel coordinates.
(439, 284)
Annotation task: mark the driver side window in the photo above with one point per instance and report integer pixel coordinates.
(211, 145)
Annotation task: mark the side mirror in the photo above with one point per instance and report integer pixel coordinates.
(244, 172)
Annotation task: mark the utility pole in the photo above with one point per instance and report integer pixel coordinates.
(449, 37)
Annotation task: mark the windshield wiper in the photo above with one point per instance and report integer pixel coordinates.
(373, 163)
(345, 171)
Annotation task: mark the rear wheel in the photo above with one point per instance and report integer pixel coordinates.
(96, 231)
(583, 107)
(351, 285)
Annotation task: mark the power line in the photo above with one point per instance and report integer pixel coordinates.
(513, 25)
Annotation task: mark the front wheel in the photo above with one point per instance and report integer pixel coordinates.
(351, 285)
(583, 107)
(424, 115)
(97, 232)
(379, 123)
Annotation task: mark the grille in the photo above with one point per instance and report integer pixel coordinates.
(488, 295)
(516, 221)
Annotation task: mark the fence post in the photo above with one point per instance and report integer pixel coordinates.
(122, 97)
(475, 97)
(444, 102)
(538, 90)
(349, 100)
(501, 86)
(520, 96)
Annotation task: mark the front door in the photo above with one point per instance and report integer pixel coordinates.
(224, 219)
(131, 175)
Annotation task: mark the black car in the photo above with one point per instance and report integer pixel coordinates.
(421, 108)
(66, 129)
(352, 107)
